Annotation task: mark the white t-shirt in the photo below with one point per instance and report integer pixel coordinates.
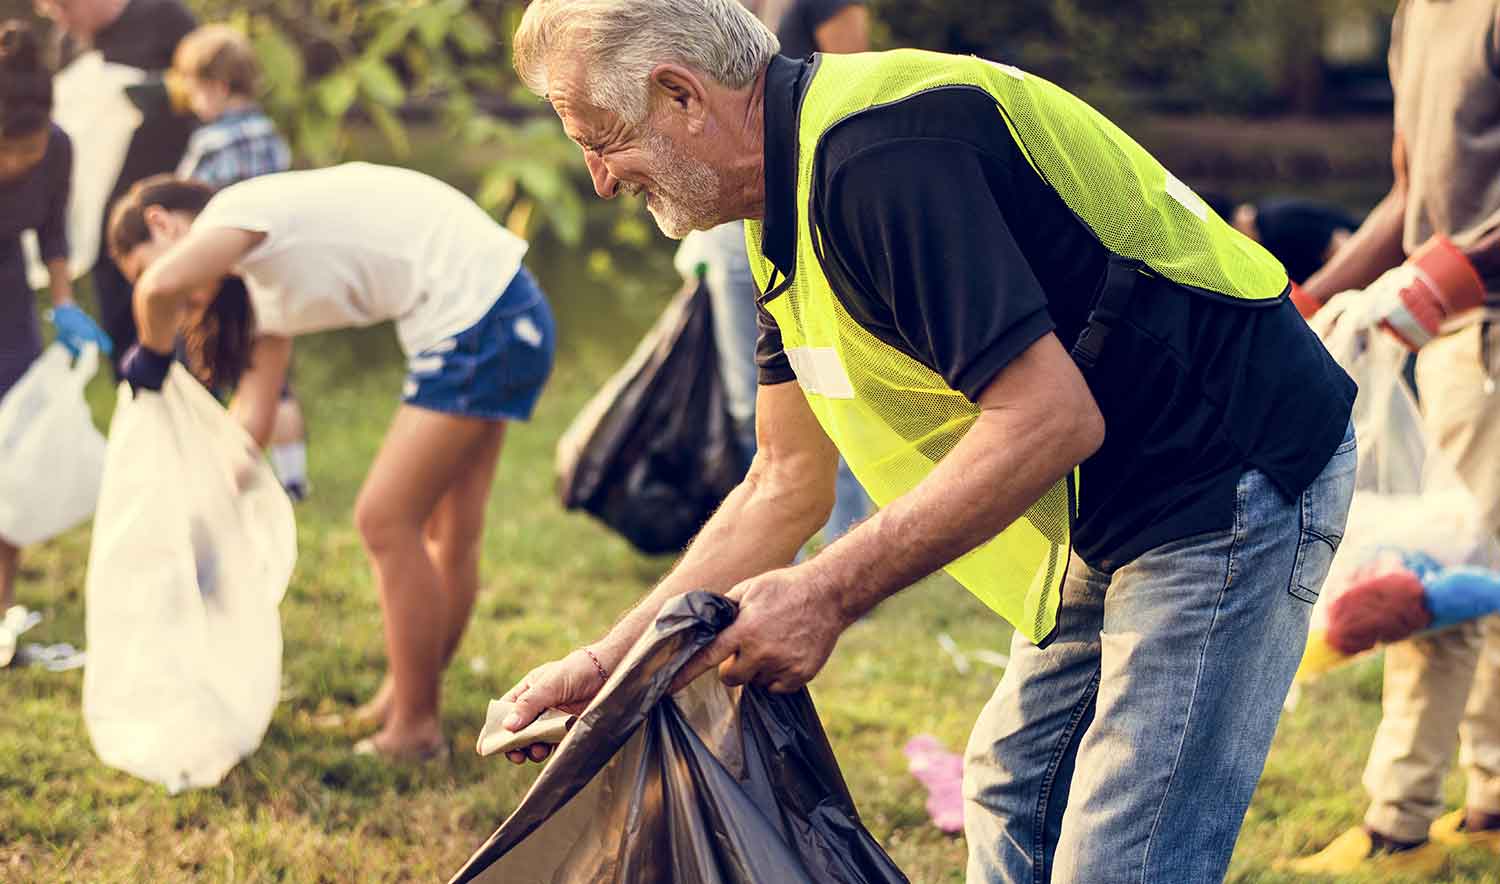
(358, 244)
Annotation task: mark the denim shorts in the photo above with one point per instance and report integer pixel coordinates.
(495, 369)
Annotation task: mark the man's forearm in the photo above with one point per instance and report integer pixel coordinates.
(1006, 462)
(1373, 249)
(760, 526)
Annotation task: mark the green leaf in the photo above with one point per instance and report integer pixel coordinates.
(497, 189)
(317, 137)
(472, 35)
(391, 128)
(433, 24)
(566, 217)
(336, 92)
(390, 37)
(280, 60)
(379, 83)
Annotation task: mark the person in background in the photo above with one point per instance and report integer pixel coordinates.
(1303, 234)
(36, 164)
(217, 75)
(1443, 688)
(140, 34)
(803, 27)
(350, 246)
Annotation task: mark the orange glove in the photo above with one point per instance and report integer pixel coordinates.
(1306, 304)
(1435, 284)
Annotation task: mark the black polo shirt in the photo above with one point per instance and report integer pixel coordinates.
(943, 242)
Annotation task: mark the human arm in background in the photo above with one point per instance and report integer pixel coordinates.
(1372, 249)
(258, 395)
(847, 30)
(75, 328)
(184, 277)
(1414, 295)
(189, 271)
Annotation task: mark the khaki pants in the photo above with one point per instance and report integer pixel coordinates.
(1445, 688)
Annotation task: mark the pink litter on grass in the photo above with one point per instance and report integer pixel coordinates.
(942, 772)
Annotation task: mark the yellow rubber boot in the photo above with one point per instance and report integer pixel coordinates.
(1449, 831)
(1353, 852)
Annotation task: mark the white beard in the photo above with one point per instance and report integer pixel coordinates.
(695, 189)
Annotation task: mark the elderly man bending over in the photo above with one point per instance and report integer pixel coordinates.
(1065, 380)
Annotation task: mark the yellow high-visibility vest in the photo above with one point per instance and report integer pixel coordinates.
(893, 418)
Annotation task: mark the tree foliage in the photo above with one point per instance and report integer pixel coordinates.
(331, 63)
(1194, 54)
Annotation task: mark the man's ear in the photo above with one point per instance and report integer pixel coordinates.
(683, 90)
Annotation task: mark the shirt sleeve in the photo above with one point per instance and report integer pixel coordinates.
(917, 231)
(772, 365)
(215, 168)
(52, 235)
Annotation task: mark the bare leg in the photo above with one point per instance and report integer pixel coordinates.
(453, 534)
(423, 455)
(289, 448)
(10, 565)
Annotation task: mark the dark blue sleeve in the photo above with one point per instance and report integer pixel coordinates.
(52, 235)
(772, 365)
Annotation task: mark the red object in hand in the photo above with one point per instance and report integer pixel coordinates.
(1379, 607)
(1436, 283)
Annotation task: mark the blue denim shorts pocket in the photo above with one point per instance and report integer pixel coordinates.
(1324, 509)
(494, 370)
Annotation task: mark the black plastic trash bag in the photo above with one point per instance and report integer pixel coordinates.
(654, 453)
(711, 786)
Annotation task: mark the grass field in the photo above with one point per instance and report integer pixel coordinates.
(304, 809)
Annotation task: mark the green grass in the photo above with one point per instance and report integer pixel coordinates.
(303, 809)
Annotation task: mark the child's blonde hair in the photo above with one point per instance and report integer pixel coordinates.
(219, 54)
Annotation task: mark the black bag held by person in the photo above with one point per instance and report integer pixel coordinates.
(715, 785)
(654, 453)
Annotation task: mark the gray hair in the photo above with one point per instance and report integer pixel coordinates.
(621, 41)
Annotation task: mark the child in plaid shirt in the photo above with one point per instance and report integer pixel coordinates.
(216, 75)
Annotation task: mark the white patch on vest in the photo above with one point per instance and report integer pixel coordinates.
(1184, 194)
(1009, 69)
(819, 371)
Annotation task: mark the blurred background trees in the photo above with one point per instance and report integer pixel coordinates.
(341, 73)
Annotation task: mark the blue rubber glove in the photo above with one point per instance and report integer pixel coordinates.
(1463, 593)
(76, 330)
(145, 369)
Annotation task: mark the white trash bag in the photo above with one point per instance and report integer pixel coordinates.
(1408, 498)
(51, 454)
(194, 544)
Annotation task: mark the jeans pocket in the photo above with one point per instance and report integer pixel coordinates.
(1323, 509)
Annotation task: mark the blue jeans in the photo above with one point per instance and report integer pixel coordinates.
(732, 292)
(1127, 750)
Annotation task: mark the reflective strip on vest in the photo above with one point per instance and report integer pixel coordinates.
(892, 418)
